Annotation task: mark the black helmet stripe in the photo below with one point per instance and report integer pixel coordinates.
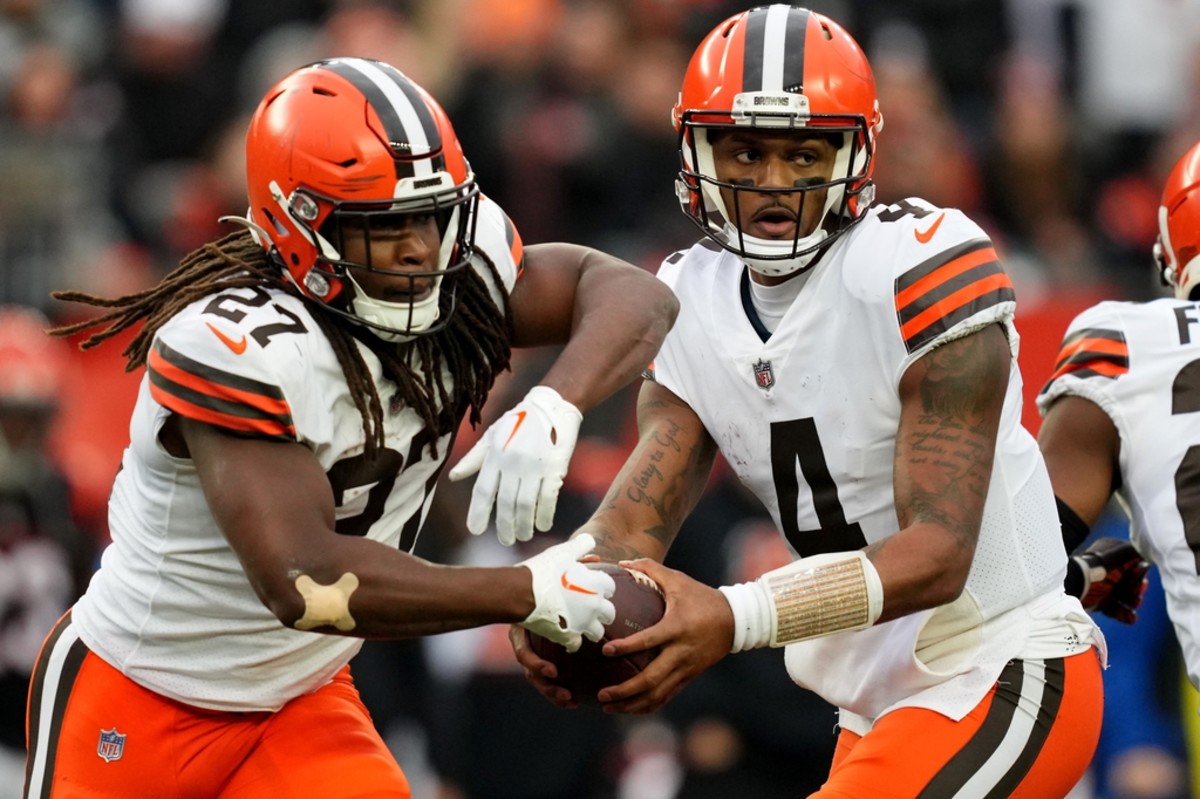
(405, 117)
(774, 56)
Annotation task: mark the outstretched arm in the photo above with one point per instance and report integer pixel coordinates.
(273, 503)
(611, 318)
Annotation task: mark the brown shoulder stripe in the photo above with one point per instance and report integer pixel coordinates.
(1092, 352)
(952, 286)
(209, 395)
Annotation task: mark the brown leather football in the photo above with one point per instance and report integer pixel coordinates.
(639, 604)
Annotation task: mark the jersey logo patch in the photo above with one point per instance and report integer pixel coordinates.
(925, 236)
(948, 288)
(764, 375)
(1091, 352)
(237, 347)
(111, 745)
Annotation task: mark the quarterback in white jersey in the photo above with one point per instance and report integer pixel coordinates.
(304, 380)
(855, 366)
(1122, 415)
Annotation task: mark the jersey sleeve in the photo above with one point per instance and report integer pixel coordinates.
(950, 281)
(668, 272)
(497, 239)
(1093, 355)
(208, 367)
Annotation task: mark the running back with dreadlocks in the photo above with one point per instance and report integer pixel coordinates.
(475, 345)
(302, 384)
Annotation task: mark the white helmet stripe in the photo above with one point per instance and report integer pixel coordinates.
(405, 117)
(773, 60)
(774, 40)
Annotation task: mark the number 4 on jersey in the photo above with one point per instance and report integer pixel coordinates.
(793, 442)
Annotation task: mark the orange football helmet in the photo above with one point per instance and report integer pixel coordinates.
(777, 67)
(33, 365)
(352, 139)
(1177, 251)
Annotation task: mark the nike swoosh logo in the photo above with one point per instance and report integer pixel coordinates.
(238, 346)
(570, 586)
(928, 234)
(516, 427)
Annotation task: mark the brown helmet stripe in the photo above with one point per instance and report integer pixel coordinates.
(407, 121)
(773, 59)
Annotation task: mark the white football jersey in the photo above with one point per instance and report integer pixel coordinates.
(807, 418)
(171, 606)
(1140, 363)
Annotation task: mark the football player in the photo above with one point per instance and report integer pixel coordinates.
(855, 365)
(1122, 417)
(305, 377)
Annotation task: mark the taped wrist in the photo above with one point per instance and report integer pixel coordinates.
(808, 598)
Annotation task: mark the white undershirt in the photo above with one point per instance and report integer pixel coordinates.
(772, 302)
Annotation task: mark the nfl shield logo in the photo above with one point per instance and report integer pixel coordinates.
(111, 745)
(763, 374)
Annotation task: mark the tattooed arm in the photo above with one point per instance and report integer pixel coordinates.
(660, 483)
(654, 492)
(951, 401)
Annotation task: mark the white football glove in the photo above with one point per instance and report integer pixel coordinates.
(522, 460)
(570, 600)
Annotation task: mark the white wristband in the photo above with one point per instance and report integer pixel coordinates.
(808, 598)
(752, 615)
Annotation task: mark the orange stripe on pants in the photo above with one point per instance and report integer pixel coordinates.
(915, 752)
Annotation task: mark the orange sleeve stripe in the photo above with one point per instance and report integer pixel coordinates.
(952, 302)
(946, 271)
(1098, 345)
(1105, 368)
(269, 405)
(264, 427)
(518, 249)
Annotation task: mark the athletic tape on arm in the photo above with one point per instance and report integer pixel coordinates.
(326, 605)
(808, 598)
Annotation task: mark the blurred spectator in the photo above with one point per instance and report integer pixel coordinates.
(45, 558)
(52, 163)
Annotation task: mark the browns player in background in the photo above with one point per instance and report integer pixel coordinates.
(1122, 418)
(304, 380)
(855, 365)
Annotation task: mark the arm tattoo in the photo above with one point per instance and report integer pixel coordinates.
(948, 447)
(666, 474)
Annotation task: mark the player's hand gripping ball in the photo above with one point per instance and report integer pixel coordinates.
(639, 604)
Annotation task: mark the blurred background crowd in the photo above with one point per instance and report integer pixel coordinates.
(1051, 122)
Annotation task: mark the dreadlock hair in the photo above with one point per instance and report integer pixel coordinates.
(475, 345)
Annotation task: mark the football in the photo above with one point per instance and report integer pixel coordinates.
(639, 604)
